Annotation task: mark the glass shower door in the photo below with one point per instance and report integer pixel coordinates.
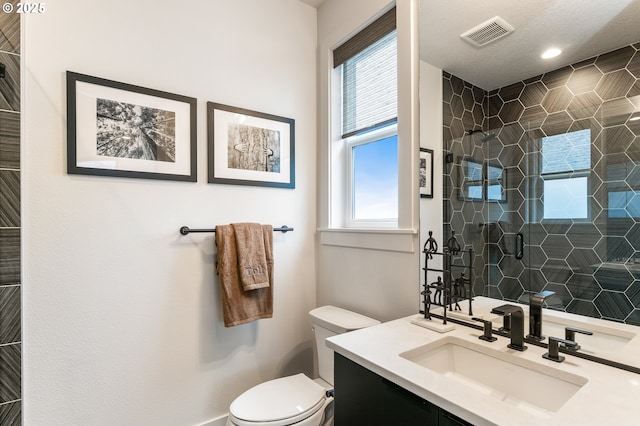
(505, 231)
(485, 190)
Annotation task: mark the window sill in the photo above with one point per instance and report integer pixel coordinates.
(397, 240)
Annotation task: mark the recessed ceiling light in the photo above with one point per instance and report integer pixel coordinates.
(550, 53)
(636, 118)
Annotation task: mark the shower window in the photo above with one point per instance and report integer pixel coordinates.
(566, 166)
(623, 204)
(471, 178)
(495, 183)
(481, 181)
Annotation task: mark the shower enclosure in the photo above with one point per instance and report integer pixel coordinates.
(552, 203)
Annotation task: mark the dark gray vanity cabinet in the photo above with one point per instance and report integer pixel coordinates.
(364, 398)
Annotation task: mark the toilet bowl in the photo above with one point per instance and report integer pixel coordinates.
(299, 399)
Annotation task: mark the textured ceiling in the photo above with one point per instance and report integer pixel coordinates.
(582, 28)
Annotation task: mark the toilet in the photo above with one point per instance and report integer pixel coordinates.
(298, 399)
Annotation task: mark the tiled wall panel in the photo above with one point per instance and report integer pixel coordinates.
(10, 260)
(9, 140)
(10, 413)
(10, 84)
(10, 32)
(9, 198)
(10, 255)
(593, 265)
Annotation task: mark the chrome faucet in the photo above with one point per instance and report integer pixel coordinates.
(535, 314)
(517, 324)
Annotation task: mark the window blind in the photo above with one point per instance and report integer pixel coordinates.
(365, 38)
(369, 76)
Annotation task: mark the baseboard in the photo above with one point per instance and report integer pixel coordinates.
(219, 421)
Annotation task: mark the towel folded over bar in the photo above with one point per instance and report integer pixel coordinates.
(240, 306)
(252, 260)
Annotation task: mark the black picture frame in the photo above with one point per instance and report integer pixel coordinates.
(122, 130)
(248, 147)
(426, 173)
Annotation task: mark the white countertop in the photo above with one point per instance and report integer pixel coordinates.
(610, 396)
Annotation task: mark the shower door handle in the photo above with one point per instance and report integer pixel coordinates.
(519, 245)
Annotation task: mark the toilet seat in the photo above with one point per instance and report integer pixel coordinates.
(278, 402)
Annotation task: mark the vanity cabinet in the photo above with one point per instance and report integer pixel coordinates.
(364, 398)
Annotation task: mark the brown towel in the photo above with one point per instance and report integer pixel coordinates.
(252, 261)
(240, 306)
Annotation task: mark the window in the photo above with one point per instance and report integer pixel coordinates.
(495, 183)
(481, 181)
(471, 178)
(623, 204)
(373, 190)
(370, 87)
(366, 144)
(566, 165)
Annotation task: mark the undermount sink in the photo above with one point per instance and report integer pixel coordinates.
(533, 387)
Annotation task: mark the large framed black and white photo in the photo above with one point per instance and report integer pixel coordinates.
(426, 173)
(118, 129)
(249, 147)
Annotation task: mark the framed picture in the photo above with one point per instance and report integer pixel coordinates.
(426, 173)
(250, 148)
(118, 129)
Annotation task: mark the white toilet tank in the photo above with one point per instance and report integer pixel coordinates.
(328, 321)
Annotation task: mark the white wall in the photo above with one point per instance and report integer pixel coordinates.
(382, 280)
(431, 137)
(122, 315)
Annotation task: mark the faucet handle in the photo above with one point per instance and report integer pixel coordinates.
(488, 330)
(554, 352)
(570, 334)
(505, 312)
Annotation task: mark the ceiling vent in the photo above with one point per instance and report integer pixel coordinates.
(487, 32)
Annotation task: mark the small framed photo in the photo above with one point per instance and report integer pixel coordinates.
(118, 129)
(426, 173)
(250, 148)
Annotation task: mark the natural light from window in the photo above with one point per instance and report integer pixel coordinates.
(566, 166)
(565, 198)
(363, 180)
(623, 204)
(375, 180)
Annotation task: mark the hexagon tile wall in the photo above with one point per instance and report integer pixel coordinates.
(10, 223)
(579, 124)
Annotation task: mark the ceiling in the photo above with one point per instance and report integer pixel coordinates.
(581, 28)
(314, 3)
